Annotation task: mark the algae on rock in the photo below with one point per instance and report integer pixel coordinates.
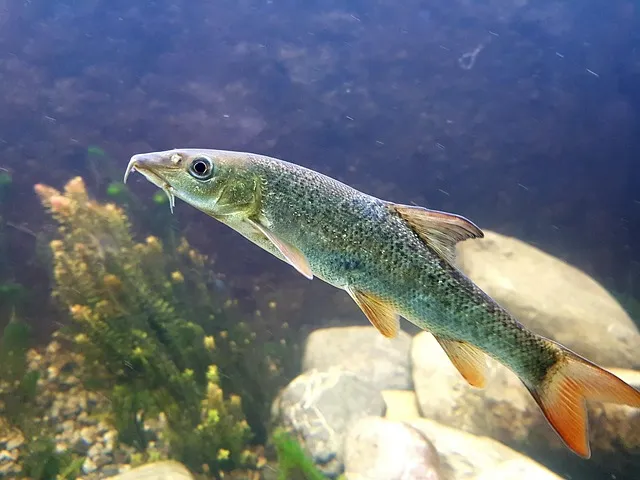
(293, 462)
(158, 337)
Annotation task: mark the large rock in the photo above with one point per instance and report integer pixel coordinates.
(464, 456)
(401, 404)
(552, 298)
(504, 409)
(383, 362)
(166, 470)
(320, 406)
(381, 449)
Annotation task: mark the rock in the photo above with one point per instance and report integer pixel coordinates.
(89, 434)
(319, 407)
(81, 445)
(95, 450)
(110, 470)
(383, 362)
(7, 456)
(521, 469)
(89, 466)
(84, 419)
(67, 426)
(15, 441)
(380, 449)
(504, 409)
(166, 470)
(401, 404)
(464, 456)
(103, 428)
(102, 460)
(552, 298)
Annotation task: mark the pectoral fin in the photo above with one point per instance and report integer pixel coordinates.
(440, 230)
(380, 314)
(468, 359)
(291, 253)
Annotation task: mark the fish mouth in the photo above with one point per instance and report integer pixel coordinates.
(143, 163)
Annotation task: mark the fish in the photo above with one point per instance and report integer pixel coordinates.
(394, 260)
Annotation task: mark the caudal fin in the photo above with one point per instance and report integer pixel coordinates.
(562, 394)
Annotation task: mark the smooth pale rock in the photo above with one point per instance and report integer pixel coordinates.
(520, 469)
(165, 470)
(383, 362)
(552, 298)
(380, 449)
(401, 404)
(504, 409)
(464, 456)
(320, 406)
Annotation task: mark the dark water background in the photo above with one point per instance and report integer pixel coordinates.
(540, 139)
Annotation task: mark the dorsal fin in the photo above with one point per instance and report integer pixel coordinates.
(381, 315)
(440, 230)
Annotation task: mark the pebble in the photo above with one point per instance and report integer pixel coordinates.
(89, 466)
(7, 456)
(14, 442)
(89, 434)
(110, 470)
(95, 450)
(77, 427)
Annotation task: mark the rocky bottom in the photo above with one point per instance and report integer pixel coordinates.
(364, 408)
(72, 420)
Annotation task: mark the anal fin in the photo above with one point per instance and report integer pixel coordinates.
(469, 360)
(292, 254)
(380, 314)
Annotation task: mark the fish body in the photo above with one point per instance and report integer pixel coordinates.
(394, 260)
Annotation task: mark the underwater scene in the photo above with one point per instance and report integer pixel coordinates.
(321, 239)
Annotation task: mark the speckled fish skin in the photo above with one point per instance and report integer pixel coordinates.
(353, 239)
(360, 243)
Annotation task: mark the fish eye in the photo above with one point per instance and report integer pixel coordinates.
(201, 168)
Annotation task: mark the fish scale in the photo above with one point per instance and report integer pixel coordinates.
(393, 263)
(393, 260)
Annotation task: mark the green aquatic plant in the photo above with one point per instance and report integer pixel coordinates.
(6, 180)
(95, 150)
(39, 459)
(160, 198)
(116, 189)
(293, 462)
(159, 339)
(17, 384)
(12, 294)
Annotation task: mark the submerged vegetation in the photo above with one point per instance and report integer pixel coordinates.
(12, 294)
(19, 390)
(293, 463)
(159, 339)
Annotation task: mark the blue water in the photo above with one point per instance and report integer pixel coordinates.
(522, 115)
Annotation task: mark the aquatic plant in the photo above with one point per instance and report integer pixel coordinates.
(17, 384)
(39, 459)
(293, 462)
(6, 180)
(12, 294)
(158, 337)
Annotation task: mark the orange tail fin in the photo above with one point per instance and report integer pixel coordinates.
(562, 395)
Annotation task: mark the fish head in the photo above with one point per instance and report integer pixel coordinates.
(217, 182)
